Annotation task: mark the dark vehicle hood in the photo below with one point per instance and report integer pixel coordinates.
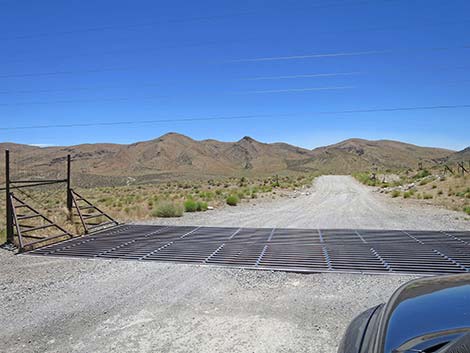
(425, 310)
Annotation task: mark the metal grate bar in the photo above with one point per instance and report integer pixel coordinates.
(301, 250)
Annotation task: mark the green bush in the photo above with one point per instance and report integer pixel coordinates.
(167, 209)
(396, 193)
(466, 209)
(427, 196)
(407, 194)
(202, 206)
(422, 174)
(190, 205)
(232, 200)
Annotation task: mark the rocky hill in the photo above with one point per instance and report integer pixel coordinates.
(175, 155)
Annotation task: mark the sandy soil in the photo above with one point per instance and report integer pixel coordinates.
(70, 305)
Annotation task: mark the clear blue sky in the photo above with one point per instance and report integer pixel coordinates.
(65, 62)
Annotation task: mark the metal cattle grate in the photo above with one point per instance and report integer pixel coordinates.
(299, 250)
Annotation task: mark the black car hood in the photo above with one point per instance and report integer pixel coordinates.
(425, 310)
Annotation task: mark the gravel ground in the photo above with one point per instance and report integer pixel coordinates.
(70, 305)
(51, 305)
(332, 202)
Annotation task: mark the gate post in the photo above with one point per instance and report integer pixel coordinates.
(9, 220)
(69, 190)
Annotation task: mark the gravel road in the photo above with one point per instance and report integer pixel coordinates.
(333, 202)
(71, 305)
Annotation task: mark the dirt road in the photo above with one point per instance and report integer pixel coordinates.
(332, 202)
(70, 305)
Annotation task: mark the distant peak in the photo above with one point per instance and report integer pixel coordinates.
(247, 139)
(172, 135)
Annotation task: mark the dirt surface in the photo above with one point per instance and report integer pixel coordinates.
(70, 305)
(332, 202)
(51, 305)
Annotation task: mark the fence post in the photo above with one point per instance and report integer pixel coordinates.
(9, 220)
(69, 190)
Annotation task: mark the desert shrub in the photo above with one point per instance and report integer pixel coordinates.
(407, 194)
(440, 192)
(367, 179)
(167, 209)
(427, 196)
(466, 209)
(201, 206)
(422, 174)
(396, 193)
(190, 205)
(232, 200)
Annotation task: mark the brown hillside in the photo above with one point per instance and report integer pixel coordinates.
(174, 155)
(357, 154)
(461, 156)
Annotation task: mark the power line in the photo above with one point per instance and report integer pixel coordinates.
(307, 89)
(55, 73)
(212, 43)
(83, 88)
(65, 101)
(240, 117)
(182, 20)
(259, 78)
(261, 59)
(121, 27)
(114, 99)
(342, 54)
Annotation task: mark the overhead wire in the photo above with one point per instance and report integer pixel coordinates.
(260, 59)
(65, 101)
(240, 117)
(226, 41)
(290, 90)
(188, 19)
(67, 89)
(347, 53)
(282, 77)
(67, 72)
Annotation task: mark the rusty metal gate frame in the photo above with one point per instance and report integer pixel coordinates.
(13, 218)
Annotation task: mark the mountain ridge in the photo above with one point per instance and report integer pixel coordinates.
(177, 154)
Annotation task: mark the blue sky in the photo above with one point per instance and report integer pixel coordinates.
(66, 62)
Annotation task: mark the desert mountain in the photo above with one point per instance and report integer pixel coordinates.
(175, 155)
(357, 154)
(461, 156)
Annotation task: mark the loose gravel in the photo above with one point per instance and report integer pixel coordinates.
(72, 305)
